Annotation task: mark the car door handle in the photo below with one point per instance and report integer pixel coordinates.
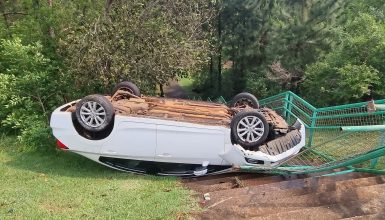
(164, 155)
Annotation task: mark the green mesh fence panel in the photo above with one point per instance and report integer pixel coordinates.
(327, 144)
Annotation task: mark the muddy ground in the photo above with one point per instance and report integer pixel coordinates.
(257, 196)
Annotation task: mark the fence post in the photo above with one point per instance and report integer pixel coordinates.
(311, 130)
(373, 162)
(285, 112)
(288, 106)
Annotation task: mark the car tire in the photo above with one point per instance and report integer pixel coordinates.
(243, 99)
(127, 86)
(249, 129)
(94, 113)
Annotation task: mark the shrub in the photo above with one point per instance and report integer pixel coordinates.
(28, 90)
(354, 70)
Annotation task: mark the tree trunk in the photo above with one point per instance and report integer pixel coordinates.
(306, 5)
(233, 54)
(35, 4)
(51, 31)
(242, 71)
(211, 72)
(161, 90)
(219, 27)
(107, 9)
(2, 8)
(219, 73)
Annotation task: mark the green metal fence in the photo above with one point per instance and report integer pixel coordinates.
(346, 136)
(351, 136)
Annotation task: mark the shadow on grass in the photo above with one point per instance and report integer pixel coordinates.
(59, 163)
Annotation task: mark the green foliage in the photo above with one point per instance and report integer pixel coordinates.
(28, 90)
(354, 69)
(330, 51)
(301, 31)
(250, 36)
(330, 85)
(146, 42)
(52, 52)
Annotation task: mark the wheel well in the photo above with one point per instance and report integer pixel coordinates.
(92, 135)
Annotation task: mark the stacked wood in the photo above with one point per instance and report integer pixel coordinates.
(197, 112)
(273, 118)
(175, 109)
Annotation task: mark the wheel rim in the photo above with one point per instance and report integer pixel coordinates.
(250, 129)
(93, 114)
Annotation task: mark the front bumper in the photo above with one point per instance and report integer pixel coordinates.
(269, 154)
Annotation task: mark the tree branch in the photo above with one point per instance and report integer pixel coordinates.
(107, 9)
(14, 13)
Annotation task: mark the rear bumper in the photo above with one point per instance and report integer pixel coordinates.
(63, 129)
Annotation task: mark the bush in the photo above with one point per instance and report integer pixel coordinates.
(28, 90)
(327, 85)
(354, 70)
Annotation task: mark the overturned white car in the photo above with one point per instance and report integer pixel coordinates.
(131, 132)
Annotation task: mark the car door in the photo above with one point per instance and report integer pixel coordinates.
(189, 144)
(135, 139)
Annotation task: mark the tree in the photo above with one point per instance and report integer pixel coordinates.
(245, 38)
(32, 78)
(28, 89)
(354, 70)
(260, 40)
(239, 37)
(147, 42)
(301, 33)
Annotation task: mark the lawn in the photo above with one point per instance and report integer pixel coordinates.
(333, 145)
(57, 185)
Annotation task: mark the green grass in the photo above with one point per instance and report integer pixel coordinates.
(186, 82)
(340, 146)
(187, 85)
(62, 185)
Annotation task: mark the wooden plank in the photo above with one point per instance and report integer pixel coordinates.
(191, 111)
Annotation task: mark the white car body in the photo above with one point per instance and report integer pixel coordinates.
(165, 141)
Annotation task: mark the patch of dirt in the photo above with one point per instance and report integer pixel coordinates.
(128, 185)
(52, 208)
(174, 90)
(253, 196)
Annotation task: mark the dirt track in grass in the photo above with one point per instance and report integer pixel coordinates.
(174, 90)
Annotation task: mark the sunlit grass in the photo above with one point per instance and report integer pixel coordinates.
(53, 184)
(335, 145)
(187, 85)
